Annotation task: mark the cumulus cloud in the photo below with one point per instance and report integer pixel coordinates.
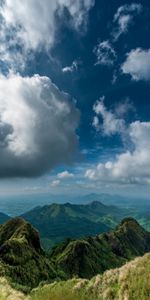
(124, 17)
(65, 175)
(105, 53)
(131, 166)
(37, 126)
(31, 25)
(137, 64)
(111, 123)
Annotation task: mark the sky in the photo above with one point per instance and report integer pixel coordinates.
(75, 97)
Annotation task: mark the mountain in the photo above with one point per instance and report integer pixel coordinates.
(21, 256)
(125, 202)
(56, 222)
(3, 218)
(25, 264)
(129, 282)
(89, 256)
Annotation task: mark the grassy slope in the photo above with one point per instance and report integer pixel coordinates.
(129, 282)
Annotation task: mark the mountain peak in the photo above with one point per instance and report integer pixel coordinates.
(21, 255)
(96, 203)
(129, 221)
(18, 228)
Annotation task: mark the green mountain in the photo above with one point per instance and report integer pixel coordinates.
(130, 282)
(21, 256)
(25, 263)
(56, 222)
(92, 255)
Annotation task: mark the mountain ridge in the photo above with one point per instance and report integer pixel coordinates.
(56, 222)
(92, 255)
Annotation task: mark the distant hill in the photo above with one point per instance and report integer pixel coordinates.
(56, 222)
(144, 219)
(87, 257)
(130, 282)
(3, 218)
(21, 256)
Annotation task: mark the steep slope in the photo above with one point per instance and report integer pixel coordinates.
(57, 222)
(130, 282)
(90, 256)
(21, 256)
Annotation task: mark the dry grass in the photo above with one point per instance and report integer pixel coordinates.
(8, 293)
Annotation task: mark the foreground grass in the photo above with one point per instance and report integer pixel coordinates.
(8, 293)
(130, 282)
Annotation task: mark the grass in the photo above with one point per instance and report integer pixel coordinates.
(129, 282)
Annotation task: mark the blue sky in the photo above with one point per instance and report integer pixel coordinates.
(75, 97)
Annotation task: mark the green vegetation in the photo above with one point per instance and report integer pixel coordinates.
(56, 222)
(24, 262)
(87, 257)
(128, 282)
(21, 256)
(67, 273)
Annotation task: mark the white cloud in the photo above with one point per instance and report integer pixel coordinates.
(96, 123)
(133, 164)
(31, 25)
(105, 54)
(124, 17)
(37, 126)
(65, 175)
(137, 64)
(55, 183)
(111, 123)
(130, 166)
(72, 68)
